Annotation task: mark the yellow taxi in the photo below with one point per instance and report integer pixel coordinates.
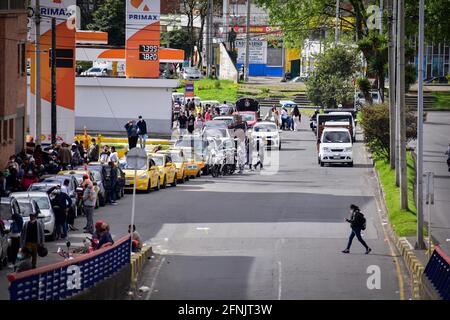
(167, 169)
(194, 162)
(180, 163)
(147, 177)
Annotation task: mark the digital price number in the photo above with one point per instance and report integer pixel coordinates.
(148, 52)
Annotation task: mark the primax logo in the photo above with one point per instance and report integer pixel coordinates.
(149, 17)
(54, 12)
(143, 5)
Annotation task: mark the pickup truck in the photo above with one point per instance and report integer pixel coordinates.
(335, 146)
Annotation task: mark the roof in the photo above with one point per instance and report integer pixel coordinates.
(265, 122)
(24, 194)
(335, 129)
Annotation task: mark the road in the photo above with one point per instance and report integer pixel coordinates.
(259, 236)
(436, 140)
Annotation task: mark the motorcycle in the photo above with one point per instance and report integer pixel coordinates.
(89, 246)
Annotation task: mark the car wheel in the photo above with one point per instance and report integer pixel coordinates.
(199, 174)
(321, 163)
(279, 146)
(318, 160)
(174, 184)
(350, 164)
(164, 183)
(149, 186)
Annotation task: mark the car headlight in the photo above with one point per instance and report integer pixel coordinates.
(349, 149)
(144, 176)
(47, 218)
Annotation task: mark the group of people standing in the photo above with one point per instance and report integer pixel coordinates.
(285, 120)
(136, 130)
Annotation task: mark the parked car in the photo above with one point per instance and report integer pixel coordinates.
(216, 129)
(78, 174)
(251, 117)
(102, 170)
(335, 146)
(191, 73)
(8, 207)
(180, 162)
(269, 132)
(37, 201)
(95, 72)
(167, 169)
(361, 100)
(147, 177)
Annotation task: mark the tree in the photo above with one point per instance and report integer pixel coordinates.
(375, 123)
(176, 39)
(110, 17)
(331, 80)
(87, 8)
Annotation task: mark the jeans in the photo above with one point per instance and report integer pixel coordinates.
(356, 232)
(89, 211)
(63, 226)
(142, 140)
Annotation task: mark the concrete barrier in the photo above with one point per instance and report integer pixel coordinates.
(138, 261)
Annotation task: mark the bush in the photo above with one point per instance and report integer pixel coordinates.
(375, 123)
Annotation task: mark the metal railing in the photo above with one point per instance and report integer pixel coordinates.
(438, 272)
(65, 279)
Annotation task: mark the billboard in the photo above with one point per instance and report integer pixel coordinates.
(258, 51)
(64, 12)
(142, 38)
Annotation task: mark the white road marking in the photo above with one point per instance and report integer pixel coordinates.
(154, 279)
(279, 280)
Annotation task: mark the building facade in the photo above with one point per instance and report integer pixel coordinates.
(13, 78)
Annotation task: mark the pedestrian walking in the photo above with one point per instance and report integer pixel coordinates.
(32, 237)
(16, 229)
(142, 131)
(191, 123)
(132, 132)
(284, 119)
(296, 115)
(94, 151)
(357, 223)
(89, 200)
(182, 121)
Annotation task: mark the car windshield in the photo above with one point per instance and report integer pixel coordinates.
(248, 117)
(265, 128)
(5, 211)
(191, 70)
(228, 121)
(39, 187)
(95, 70)
(198, 144)
(158, 160)
(215, 132)
(125, 166)
(56, 179)
(25, 208)
(97, 175)
(41, 201)
(336, 137)
(176, 157)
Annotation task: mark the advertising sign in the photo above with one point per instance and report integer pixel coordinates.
(258, 51)
(189, 89)
(142, 38)
(63, 11)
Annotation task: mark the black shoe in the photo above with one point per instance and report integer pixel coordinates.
(368, 250)
(346, 251)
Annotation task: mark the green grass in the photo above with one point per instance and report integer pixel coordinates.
(403, 221)
(210, 89)
(442, 100)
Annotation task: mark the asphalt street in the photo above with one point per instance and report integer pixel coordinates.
(274, 234)
(436, 140)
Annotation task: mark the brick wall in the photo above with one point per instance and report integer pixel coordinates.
(13, 76)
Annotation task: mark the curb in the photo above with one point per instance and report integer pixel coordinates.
(138, 261)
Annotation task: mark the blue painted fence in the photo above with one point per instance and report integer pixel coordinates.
(438, 272)
(65, 279)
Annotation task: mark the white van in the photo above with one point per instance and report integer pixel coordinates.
(335, 146)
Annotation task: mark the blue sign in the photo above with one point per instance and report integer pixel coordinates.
(189, 87)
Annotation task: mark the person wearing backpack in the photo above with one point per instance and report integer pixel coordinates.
(357, 223)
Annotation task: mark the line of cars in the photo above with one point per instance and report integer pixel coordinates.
(37, 198)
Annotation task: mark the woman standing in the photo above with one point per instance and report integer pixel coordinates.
(297, 117)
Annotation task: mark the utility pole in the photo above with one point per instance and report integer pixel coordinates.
(208, 39)
(37, 56)
(401, 103)
(391, 57)
(53, 80)
(397, 121)
(336, 28)
(247, 43)
(225, 21)
(381, 15)
(420, 243)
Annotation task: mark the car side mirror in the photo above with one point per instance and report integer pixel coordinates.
(168, 164)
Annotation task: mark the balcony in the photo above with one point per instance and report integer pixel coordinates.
(13, 4)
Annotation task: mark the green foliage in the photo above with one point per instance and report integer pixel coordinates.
(410, 76)
(207, 89)
(110, 17)
(365, 86)
(330, 83)
(176, 39)
(375, 123)
(442, 100)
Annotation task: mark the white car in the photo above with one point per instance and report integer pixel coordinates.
(335, 146)
(179, 96)
(269, 132)
(95, 72)
(43, 202)
(361, 100)
(191, 73)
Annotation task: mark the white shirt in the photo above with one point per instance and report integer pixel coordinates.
(114, 157)
(65, 189)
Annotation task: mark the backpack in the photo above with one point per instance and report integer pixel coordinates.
(360, 220)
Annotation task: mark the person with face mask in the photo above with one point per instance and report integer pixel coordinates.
(24, 258)
(32, 236)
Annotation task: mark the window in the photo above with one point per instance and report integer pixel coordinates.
(5, 130)
(11, 129)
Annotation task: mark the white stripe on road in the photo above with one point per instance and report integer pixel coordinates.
(154, 279)
(279, 280)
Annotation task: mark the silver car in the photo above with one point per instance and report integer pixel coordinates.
(191, 74)
(28, 200)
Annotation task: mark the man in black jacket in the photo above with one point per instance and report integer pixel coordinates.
(142, 131)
